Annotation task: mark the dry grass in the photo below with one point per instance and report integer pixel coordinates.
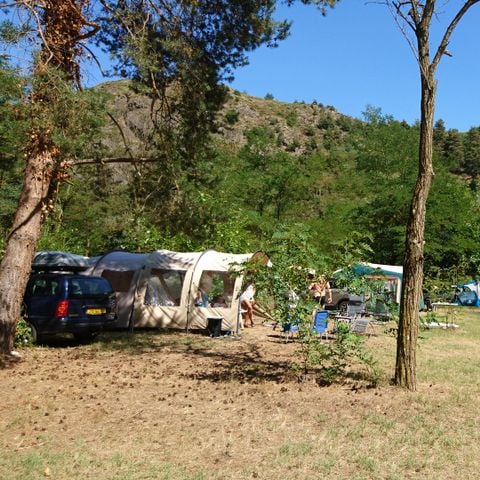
(186, 407)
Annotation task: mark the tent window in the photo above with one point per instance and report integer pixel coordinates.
(120, 281)
(164, 287)
(216, 288)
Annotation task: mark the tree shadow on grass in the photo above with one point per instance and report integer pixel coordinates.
(248, 365)
(117, 340)
(245, 370)
(212, 359)
(8, 361)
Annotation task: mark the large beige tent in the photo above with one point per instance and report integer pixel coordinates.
(174, 290)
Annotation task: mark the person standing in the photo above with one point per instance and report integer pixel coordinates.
(320, 291)
(247, 300)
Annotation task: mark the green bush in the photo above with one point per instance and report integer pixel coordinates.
(291, 118)
(23, 336)
(284, 285)
(231, 117)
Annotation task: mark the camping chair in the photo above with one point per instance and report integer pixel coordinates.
(320, 323)
(354, 310)
(290, 328)
(360, 325)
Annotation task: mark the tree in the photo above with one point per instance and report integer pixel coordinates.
(471, 161)
(61, 26)
(453, 151)
(11, 129)
(269, 190)
(414, 16)
(386, 152)
(179, 53)
(452, 216)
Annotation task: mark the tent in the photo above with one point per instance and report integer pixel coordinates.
(391, 274)
(168, 289)
(468, 293)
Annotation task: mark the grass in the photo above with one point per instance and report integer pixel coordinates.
(67, 465)
(128, 408)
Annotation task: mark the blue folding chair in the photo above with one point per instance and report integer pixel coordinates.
(320, 322)
(290, 328)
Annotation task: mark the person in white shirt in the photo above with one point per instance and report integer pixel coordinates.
(247, 300)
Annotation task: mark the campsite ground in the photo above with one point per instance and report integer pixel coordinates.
(176, 406)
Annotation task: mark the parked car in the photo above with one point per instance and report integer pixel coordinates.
(66, 302)
(342, 300)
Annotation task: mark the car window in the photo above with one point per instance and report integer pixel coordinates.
(79, 287)
(44, 287)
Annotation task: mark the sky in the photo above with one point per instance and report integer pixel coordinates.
(356, 56)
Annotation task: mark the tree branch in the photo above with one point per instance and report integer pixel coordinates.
(448, 33)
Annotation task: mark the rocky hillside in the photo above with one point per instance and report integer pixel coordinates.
(298, 127)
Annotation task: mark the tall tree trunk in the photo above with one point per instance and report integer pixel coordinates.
(405, 370)
(61, 27)
(22, 241)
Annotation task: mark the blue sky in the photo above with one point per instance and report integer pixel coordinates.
(356, 56)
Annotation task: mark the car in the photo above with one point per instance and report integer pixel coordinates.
(68, 302)
(342, 300)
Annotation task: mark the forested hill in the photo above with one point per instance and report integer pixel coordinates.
(271, 170)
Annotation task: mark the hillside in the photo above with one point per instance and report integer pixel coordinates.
(305, 168)
(298, 127)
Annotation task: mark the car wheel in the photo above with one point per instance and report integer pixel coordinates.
(342, 306)
(33, 333)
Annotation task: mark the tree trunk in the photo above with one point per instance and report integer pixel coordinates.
(405, 370)
(21, 244)
(63, 28)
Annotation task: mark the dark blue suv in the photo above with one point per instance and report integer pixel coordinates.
(60, 302)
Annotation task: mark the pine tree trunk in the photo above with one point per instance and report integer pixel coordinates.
(63, 27)
(21, 244)
(405, 370)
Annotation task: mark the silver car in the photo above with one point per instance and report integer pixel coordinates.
(344, 301)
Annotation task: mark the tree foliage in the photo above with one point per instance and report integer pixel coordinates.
(60, 27)
(179, 52)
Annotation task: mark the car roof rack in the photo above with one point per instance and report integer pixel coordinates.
(59, 268)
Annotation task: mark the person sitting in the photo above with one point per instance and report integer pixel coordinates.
(201, 300)
(219, 302)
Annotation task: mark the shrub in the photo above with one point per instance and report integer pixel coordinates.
(23, 335)
(284, 285)
(292, 147)
(291, 118)
(231, 117)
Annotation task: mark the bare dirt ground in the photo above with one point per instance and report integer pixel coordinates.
(184, 406)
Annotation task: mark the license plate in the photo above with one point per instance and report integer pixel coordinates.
(96, 311)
